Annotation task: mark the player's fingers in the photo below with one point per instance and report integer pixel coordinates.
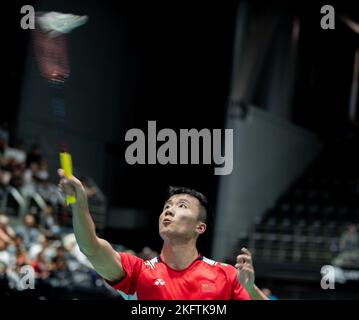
(61, 172)
(246, 251)
(243, 258)
(66, 186)
(64, 182)
(69, 190)
(240, 262)
(73, 181)
(248, 269)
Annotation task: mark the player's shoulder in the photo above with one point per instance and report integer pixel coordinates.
(216, 264)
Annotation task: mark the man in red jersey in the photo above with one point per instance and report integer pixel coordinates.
(179, 272)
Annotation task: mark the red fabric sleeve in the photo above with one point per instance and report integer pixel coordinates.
(132, 266)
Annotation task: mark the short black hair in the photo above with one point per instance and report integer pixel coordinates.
(204, 214)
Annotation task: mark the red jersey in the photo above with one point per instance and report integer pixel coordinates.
(203, 279)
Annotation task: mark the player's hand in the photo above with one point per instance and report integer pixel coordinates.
(245, 268)
(72, 186)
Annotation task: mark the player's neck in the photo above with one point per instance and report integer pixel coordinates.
(179, 255)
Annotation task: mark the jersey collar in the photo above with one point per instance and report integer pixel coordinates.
(160, 259)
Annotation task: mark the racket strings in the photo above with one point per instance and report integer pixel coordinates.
(51, 55)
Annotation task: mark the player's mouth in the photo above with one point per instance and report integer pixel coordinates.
(166, 221)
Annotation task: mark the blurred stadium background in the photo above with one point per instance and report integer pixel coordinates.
(288, 88)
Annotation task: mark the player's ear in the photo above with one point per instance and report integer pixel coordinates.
(201, 227)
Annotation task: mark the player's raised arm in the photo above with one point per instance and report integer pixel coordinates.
(103, 257)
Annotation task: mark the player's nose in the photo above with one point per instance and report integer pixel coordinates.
(169, 212)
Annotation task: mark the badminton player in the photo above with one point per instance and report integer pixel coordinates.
(179, 272)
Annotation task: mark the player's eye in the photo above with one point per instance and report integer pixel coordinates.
(182, 205)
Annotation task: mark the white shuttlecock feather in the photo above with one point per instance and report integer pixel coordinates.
(56, 23)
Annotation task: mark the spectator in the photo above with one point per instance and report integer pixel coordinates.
(72, 247)
(12, 163)
(41, 266)
(7, 234)
(21, 256)
(17, 176)
(4, 257)
(18, 241)
(28, 231)
(64, 217)
(43, 173)
(61, 274)
(28, 188)
(7, 163)
(33, 156)
(49, 191)
(62, 253)
(44, 245)
(49, 225)
(17, 153)
(5, 177)
(18, 259)
(31, 172)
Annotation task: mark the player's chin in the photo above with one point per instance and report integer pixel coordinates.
(165, 230)
(163, 227)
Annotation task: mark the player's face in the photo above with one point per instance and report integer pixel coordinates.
(179, 218)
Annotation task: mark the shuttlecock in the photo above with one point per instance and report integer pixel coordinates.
(57, 23)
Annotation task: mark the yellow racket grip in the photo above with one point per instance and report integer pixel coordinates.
(66, 165)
